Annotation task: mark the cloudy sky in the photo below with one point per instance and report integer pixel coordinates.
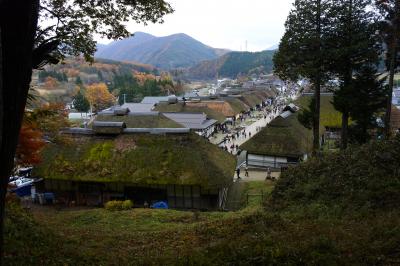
(225, 23)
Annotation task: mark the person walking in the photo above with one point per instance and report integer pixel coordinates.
(238, 172)
(268, 174)
(246, 171)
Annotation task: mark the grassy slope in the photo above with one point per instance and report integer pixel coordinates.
(141, 159)
(342, 209)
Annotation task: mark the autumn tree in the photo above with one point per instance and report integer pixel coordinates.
(50, 83)
(65, 27)
(99, 96)
(30, 144)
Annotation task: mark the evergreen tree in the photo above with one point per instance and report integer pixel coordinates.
(369, 99)
(302, 52)
(353, 46)
(81, 103)
(78, 81)
(390, 30)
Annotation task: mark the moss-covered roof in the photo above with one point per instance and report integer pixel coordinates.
(191, 108)
(143, 121)
(237, 105)
(139, 159)
(329, 116)
(283, 137)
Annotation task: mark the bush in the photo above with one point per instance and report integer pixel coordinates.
(127, 205)
(117, 205)
(361, 177)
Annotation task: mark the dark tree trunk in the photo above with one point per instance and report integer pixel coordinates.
(18, 23)
(317, 96)
(388, 114)
(345, 130)
(392, 68)
(317, 82)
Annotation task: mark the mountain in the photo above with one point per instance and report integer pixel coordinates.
(174, 51)
(232, 64)
(273, 47)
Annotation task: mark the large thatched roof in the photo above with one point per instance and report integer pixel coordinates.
(139, 159)
(329, 116)
(283, 137)
(140, 121)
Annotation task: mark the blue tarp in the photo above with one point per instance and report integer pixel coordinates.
(160, 205)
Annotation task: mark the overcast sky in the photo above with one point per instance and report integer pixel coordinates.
(225, 23)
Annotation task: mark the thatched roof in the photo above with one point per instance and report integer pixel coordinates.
(213, 111)
(283, 137)
(329, 116)
(139, 159)
(140, 121)
(108, 127)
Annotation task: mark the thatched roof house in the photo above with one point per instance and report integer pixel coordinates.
(154, 120)
(156, 167)
(283, 142)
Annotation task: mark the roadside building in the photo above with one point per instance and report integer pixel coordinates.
(284, 142)
(184, 170)
(197, 122)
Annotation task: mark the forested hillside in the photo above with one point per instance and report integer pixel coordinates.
(173, 51)
(233, 64)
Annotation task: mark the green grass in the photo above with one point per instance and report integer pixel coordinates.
(339, 209)
(257, 192)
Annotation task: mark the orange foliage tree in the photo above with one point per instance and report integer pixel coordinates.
(142, 77)
(29, 146)
(49, 119)
(50, 83)
(99, 96)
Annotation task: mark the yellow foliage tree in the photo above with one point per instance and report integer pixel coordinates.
(99, 96)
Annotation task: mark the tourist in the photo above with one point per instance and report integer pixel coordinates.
(268, 173)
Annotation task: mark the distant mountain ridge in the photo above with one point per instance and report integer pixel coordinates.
(232, 64)
(169, 52)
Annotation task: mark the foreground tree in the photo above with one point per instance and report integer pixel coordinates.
(303, 53)
(390, 31)
(354, 45)
(370, 98)
(67, 27)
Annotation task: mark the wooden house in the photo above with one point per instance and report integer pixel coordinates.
(184, 170)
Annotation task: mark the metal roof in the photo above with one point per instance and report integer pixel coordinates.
(286, 114)
(157, 100)
(191, 120)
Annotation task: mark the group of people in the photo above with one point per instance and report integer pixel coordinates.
(246, 173)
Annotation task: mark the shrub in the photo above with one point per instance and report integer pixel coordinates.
(127, 205)
(117, 205)
(360, 177)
